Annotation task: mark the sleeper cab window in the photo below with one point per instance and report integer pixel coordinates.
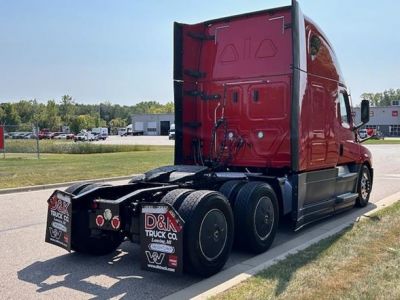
(315, 46)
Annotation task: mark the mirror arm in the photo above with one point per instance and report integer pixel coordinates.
(363, 140)
(356, 127)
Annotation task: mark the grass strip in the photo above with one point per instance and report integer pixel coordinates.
(382, 142)
(362, 262)
(53, 168)
(70, 147)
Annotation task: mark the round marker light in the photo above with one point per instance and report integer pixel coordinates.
(99, 220)
(260, 134)
(115, 222)
(107, 214)
(230, 135)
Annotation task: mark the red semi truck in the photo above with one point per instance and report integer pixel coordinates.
(264, 130)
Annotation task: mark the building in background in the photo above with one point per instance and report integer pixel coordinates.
(152, 124)
(386, 119)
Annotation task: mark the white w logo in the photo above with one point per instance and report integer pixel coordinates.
(155, 257)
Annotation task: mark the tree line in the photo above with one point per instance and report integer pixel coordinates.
(66, 112)
(77, 116)
(382, 99)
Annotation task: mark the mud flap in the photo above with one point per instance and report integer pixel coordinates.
(58, 228)
(161, 238)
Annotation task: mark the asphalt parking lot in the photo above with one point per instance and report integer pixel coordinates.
(32, 269)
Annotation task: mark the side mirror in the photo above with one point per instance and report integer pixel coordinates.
(364, 114)
(364, 111)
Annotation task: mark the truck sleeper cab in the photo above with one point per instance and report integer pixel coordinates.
(263, 130)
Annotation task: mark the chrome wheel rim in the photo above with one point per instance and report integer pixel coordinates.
(365, 186)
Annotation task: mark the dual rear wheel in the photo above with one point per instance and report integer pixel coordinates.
(208, 231)
(255, 208)
(246, 213)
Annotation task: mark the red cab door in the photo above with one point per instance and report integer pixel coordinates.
(348, 148)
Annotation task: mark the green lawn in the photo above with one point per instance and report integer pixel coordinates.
(363, 262)
(382, 142)
(23, 170)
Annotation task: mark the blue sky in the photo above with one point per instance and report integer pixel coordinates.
(121, 51)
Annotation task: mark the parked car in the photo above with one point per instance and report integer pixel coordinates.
(12, 135)
(370, 133)
(62, 136)
(171, 134)
(55, 134)
(80, 137)
(29, 135)
(100, 136)
(85, 136)
(20, 135)
(362, 133)
(100, 130)
(43, 133)
(15, 135)
(122, 131)
(49, 135)
(375, 134)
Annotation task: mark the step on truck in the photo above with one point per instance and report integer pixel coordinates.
(264, 132)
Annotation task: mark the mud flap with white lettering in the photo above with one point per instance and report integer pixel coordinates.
(58, 228)
(161, 238)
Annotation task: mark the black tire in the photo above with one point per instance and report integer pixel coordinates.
(208, 232)
(77, 187)
(364, 187)
(91, 241)
(230, 189)
(256, 217)
(176, 197)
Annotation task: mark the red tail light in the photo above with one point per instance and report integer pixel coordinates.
(115, 222)
(95, 205)
(99, 220)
